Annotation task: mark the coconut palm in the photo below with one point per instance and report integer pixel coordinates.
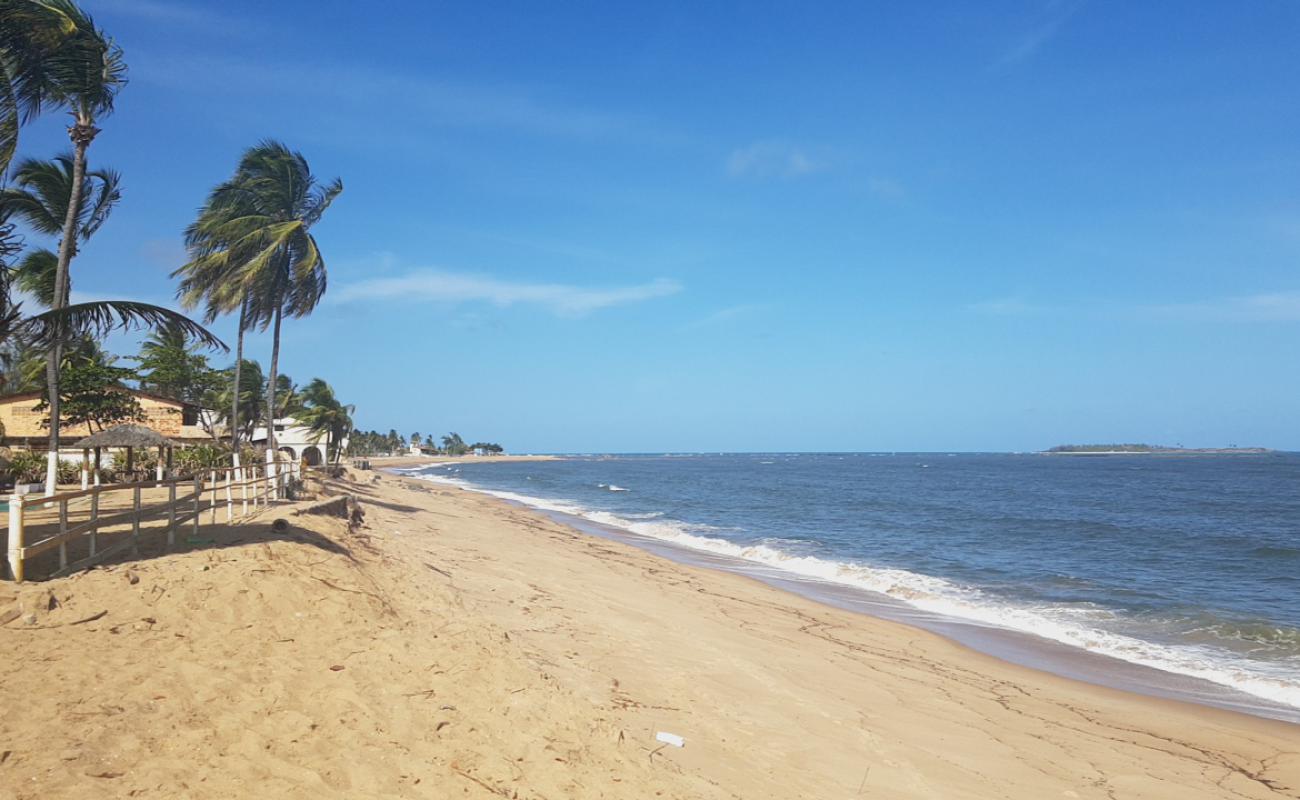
(252, 249)
(41, 197)
(54, 57)
(38, 40)
(325, 416)
(44, 190)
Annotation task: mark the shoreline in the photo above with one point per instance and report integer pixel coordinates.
(1019, 713)
(448, 643)
(409, 462)
(1019, 647)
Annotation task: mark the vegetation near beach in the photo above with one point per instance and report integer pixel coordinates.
(251, 254)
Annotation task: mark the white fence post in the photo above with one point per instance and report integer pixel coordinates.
(270, 472)
(16, 537)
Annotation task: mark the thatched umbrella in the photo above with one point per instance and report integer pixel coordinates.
(130, 437)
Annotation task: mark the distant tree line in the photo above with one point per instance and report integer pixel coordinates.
(1104, 448)
(374, 443)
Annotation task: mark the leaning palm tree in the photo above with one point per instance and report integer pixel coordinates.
(252, 249)
(325, 417)
(42, 197)
(35, 44)
(53, 56)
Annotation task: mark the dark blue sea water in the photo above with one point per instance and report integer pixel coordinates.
(1189, 564)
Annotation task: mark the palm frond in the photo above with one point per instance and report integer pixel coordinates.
(35, 275)
(97, 319)
(9, 121)
(321, 201)
(106, 192)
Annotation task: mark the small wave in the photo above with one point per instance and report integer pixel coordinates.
(611, 487)
(936, 595)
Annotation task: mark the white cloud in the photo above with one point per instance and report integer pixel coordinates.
(1053, 16)
(1263, 307)
(1013, 306)
(770, 160)
(723, 316)
(167, 253)
(369, 91)
(172, 13)
(451, 287)
(886, 188)
(1281, 306)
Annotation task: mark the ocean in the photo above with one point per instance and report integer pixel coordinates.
(1174, 575)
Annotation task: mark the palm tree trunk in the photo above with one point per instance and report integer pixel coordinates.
(234, 402)
(81, 135)
(270, 384)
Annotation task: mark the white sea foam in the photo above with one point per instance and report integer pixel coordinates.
(1067, 625)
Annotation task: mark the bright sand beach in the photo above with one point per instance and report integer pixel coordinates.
(457, 646)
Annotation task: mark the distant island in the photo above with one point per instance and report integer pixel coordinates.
(1137, 449)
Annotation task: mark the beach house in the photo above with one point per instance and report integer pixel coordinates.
(23, 423)
(296, 441)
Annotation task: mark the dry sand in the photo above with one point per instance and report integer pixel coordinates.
(456, 646)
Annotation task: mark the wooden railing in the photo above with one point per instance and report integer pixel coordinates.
(90, 525)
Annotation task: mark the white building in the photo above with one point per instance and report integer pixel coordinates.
(295, 441)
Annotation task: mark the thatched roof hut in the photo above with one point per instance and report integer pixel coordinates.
(125, 436)
(130, 437)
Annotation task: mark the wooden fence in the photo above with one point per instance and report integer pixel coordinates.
(90, 525)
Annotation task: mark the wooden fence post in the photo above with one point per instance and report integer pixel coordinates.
(171, 513)
(94, 519)
(16, 537)
(230, 498)
(135, 521)
(198, 492)
(63, 532)
(212, 475)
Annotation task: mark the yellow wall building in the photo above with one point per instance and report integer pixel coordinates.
(24, 425)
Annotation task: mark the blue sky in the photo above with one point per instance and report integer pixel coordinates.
(751, 226)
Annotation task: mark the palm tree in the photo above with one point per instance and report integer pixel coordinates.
(325, 416)
(35, 275)
(41, 197)
(252, 248)
(44, 193)
(247, 402)
(38, 45)
(55, 57)
(453, 445)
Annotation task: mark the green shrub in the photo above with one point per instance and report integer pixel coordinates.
(26, 467)
(69, 472)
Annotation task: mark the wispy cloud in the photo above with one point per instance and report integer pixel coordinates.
(1264, 307)
(771, 159)
(1047, 23)
(1281, 306)
(1013, 306)
(723, 316)
(365, 90)
(451, 287)
(172, 13)
(169, 254)
(886, 188)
